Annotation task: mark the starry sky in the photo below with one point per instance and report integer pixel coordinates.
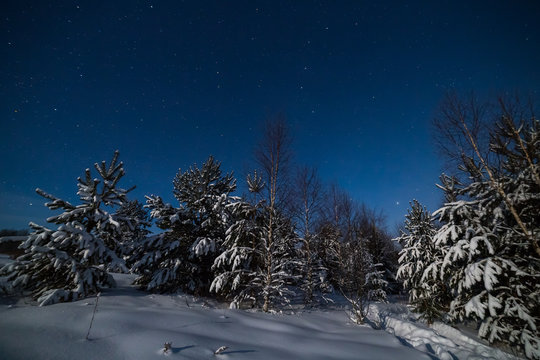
(169, 83)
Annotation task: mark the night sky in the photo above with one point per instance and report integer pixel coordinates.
(169, 83)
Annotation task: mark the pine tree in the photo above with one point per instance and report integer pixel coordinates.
(181, 258)
(70, 262)
(427, 294)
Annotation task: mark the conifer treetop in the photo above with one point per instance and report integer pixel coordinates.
(92, 192)
(198, 183)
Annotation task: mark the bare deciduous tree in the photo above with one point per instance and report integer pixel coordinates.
(307, 208)
(352, 239)
(273, 156)
(456, 122)
(459, 135)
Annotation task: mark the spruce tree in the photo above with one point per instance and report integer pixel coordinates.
(490, 234)
(244, 274)
(71, 262)
(427, 294)
(238, 267)
(376, 284)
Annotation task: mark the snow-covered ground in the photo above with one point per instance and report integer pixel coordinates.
(131, 324)
(4, 239)
(440, 340)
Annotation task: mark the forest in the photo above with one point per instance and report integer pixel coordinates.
(290, 238)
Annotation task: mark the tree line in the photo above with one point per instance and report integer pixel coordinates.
(13, 232)
(289, 236)
(475, 259)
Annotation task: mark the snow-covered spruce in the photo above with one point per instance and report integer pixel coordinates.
(181, 258)
(236, 267)
(243, 268)
(427, 294)
(71, 262)
(376, 284)
(491, 264)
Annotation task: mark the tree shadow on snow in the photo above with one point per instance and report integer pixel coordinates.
(176, 350)
(406, 343)
(373, 324)
(238, 352)
(431, 350)
(124, 291)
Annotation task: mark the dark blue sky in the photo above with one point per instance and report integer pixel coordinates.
(169, 83)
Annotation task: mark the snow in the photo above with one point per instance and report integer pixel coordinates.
(441, 341)
(6, 239)
(130, 324)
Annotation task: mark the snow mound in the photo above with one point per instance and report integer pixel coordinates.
(441, 341)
